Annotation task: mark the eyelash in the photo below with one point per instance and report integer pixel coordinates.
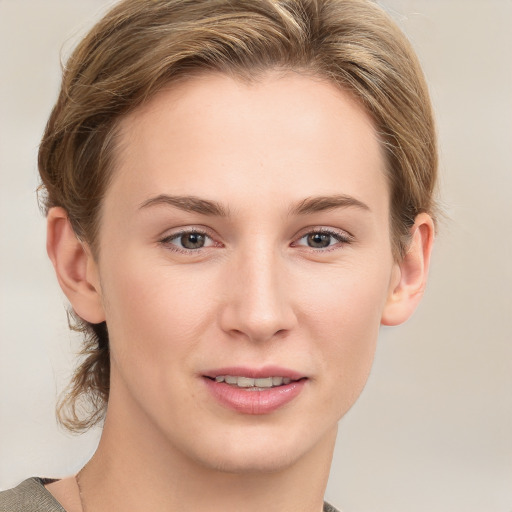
(168, 241)
(342, 238)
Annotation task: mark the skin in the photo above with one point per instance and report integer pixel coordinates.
(256, 294)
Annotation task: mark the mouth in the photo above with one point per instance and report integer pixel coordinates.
(254, 391)
(254, 384)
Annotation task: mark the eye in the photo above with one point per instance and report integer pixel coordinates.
(323, 239)
(187, 241)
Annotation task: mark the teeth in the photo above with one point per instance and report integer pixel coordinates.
(245, 382)
(253, 384)
(264, 383)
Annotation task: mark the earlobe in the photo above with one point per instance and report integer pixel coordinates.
(407, 290)
(75, 267)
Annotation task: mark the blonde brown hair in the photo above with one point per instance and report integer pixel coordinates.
(140, 46)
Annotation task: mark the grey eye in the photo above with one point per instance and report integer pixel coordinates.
(319, 240)
(323, 239)
(188, 241)
(192, 240)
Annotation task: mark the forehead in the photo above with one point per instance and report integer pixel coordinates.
(286, 133)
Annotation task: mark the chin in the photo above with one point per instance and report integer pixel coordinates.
(261, 463)
(259, 454)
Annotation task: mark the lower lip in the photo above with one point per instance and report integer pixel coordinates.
(254, 402)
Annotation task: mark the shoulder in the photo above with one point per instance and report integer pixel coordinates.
(32, 496)
(29, 496)
(329, 508)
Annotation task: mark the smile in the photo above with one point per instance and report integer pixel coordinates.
(272, 388)
(253, 384)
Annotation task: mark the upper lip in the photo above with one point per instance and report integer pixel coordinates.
(255, 373)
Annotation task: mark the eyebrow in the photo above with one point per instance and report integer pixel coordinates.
(324, 203)
(208, 207)
(188, 204)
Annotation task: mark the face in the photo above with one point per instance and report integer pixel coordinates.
(245, 263)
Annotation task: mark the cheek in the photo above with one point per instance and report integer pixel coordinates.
(344, 321)
(345, 301)
(154, 313)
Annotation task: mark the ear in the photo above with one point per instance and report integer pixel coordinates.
(75, 267)
(411, 277)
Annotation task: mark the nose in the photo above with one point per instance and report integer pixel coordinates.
(258, 302)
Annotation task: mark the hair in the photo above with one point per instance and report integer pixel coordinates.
(142, 46)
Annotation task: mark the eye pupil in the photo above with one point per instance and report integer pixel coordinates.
(192, 240)
(319, 240)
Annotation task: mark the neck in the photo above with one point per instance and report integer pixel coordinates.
(136, 468)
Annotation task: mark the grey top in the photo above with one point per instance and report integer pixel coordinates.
(32, 496)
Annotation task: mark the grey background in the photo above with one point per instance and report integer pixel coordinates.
(433, 429)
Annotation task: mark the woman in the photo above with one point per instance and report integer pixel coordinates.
(238, 195)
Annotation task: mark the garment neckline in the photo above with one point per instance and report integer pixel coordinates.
(37, 484)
